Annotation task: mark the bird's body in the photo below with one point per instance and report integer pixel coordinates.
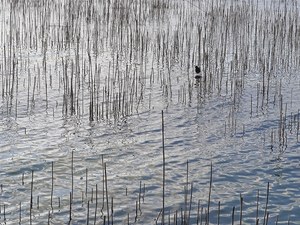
(197, 70)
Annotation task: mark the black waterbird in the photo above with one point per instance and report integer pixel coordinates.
(197, 70)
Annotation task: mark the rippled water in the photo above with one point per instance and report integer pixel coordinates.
(225, 129)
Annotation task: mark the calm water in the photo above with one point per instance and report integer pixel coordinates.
(249, 139)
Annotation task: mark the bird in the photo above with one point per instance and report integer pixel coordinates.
(197, 70)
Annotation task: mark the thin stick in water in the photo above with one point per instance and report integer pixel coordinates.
(232, 216)
(52, 181)
(267, 201)
(164, 169)
(241, 213)
(209, 194)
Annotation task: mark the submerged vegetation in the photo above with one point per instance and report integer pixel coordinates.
(106, 60)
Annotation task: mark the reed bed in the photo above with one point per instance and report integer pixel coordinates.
(104, 61)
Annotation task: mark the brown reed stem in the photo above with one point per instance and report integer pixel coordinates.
(164, 168)
(187, 172)
(241, 212)
(219, 212)
(257, 204)
(52, 182)
(38, 202)
(31, 197)
(20, 213)
(49, 216)
(140, 194)
(191, 200)
(106, 191)
(232, 215)
(86, 182)
(96, 205)
(185, 204)
(70, 208)
(201, 215)
(198, 212)
(136, 210)
(88, 213)
(209, 194)
(4, 214)
(267, 201)
(267, 219)
(72, 173)
(112, 210)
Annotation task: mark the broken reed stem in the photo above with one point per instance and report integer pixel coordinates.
(96, 205)
(257, 204)
(191, 200)
(86, 182)
(72, 173)
(185, 203)
(198, 212)
(140, 195)
(209, 194)
(70, 208)
(187, 172)
(31, 197)
(267, 219)
(103, 186)
(92, 195)
(232, 216)
(241, 212)
(20, 213)
(136, 211)
(219, 212)
(38, 202)
(112, 210)
(267, 201)
(157, 218)
(52, 181)
(82, 198)
(144, 192)
(164, 159)
(4, 213)
(106, 191)
(201, 215)
(49, 216)
(88, 213)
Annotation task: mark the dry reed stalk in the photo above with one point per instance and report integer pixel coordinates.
(209, 193)
(164, 168)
